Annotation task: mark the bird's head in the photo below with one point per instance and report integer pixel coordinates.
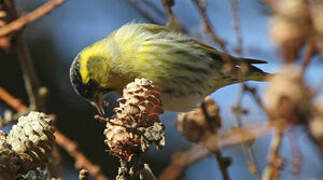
(85, 84)
(93, 74)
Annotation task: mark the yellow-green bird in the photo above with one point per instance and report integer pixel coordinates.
(185, 70)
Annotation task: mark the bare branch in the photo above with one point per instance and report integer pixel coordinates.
(80, 159)
(12, 101)
(30, 17)
(201, 6)
(234, 5)
(275, 161)
(181, 160)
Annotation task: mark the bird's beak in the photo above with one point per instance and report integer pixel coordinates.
(99, 103)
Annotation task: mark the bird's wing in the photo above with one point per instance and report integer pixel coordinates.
(218, 55)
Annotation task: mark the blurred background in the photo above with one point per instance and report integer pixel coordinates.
(55, 39)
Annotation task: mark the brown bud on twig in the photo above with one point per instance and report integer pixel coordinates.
(287, 96)
(136, 124)
(201, 122)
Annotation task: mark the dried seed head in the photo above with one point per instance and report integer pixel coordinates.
(287, 96)
(317, 17)
(290, 27)
(286, 32)
(32, 139)
(136, 124)
(197, 124)
(295, 9)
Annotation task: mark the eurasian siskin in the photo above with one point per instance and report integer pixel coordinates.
(184, 69)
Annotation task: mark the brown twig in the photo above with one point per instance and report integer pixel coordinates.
(309, 53)
(154, 8)
(256, 97)
(12, 101)
(144, 13)
(80, 159)
(228, 66)
(168, 4)
(222, 161)
(201, 6)
(19, 23)
(247, 150)
(147, 173)
(275, 162)
(234, 5)
(296, 154)
(30, 78)
(240, 135)
(181, 160)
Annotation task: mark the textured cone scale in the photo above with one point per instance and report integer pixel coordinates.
(136, 124)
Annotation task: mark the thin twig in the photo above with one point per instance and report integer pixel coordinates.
(147, 173)
(21, 22)
(240, 135)
(168, 4)
(234, 5)
(256, 97)
(296, 154)
(201, 6)
(275, 161)
(309, 53)
(181, 160)
(80, 159)
(30, 78)
(154, 8)
(12, 101)
(222, 161)
(247, 150)
(15, 103)
(144, 13)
